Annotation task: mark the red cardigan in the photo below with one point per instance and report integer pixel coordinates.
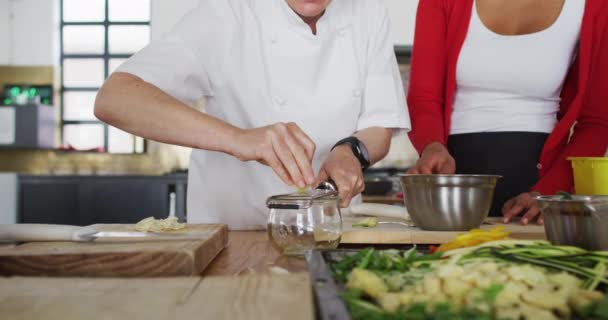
(441, 28)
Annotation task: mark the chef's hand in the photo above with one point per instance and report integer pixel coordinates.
(282, 146)
(523, 203)
(435, 159)
(345, 170)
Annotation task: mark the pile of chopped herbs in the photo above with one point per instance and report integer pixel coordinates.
(399, 269)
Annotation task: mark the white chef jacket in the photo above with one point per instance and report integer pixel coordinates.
(257, 63)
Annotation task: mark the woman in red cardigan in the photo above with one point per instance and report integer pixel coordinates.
(496, 87)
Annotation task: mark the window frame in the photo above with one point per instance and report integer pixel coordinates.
(106, 56)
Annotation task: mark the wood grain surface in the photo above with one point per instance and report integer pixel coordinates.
(246, 297)
(398, 234)
(383, 199)
(126, 259)
(251, 252)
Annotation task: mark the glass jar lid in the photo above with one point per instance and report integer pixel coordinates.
(301, 200)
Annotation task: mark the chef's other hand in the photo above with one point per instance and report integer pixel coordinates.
(345, 170)
(435, 159)
(282, 146)
(523, 204)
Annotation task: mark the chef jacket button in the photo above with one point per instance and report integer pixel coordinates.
(357, 93)
(279, 101)
(341, 33)
(274, 39)
(539, 166)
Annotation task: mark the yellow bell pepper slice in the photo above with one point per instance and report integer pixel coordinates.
(474, 237)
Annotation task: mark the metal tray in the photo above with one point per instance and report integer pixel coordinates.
(329, 304)
(326, 290)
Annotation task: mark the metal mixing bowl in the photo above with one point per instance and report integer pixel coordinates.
(581, 221)
(448, 202)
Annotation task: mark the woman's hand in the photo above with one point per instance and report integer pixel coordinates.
(282, 146)
(345, 170)
(523, 203)
(435, 159)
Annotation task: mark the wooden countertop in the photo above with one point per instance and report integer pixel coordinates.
(251, 252)
(249, 297)
(389, 199)
(256, 293)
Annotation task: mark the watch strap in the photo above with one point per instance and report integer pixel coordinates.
(356, 147)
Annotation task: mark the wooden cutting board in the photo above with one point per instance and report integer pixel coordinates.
(245, 297)
(131, 258)
(397, 234)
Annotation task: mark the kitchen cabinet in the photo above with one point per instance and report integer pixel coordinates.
(46, 201)
(85, 200)
(124, 201)
(29, 126)
(8, 198)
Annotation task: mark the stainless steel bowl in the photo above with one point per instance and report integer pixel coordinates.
(581, 221)
(448, 202)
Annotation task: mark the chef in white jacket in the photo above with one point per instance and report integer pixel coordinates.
(296, 91)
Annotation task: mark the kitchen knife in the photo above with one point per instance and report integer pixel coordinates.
(380, 210)
(53, 232)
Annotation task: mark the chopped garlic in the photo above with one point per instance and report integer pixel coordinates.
(527, 291)
(159, 225)
(278, 270)
(367, 282)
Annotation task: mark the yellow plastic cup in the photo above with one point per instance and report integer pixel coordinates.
(590, 175)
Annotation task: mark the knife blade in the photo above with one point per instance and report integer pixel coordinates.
(53, 232)
(117, 236)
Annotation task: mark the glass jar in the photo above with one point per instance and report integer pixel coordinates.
(305, 221)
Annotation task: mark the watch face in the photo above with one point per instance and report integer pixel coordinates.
(364, 152)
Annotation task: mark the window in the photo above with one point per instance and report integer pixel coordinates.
(96, 37)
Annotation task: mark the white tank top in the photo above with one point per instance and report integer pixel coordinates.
(513, 83)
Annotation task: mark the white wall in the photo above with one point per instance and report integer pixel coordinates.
(8, 198)
(30, 32)
(29, 29)
(403, 19)
(4, 31)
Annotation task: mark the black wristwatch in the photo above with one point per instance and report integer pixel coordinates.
(359, 150)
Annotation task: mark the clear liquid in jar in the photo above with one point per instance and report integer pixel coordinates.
(293, 240)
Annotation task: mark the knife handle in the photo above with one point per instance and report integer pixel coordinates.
(379, 210)
(44, 232)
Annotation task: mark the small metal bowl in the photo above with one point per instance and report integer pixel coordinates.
(448, 202)
(378, 186)
(581, 221)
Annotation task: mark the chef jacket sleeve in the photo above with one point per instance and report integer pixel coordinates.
(178, 63)
(384, 97)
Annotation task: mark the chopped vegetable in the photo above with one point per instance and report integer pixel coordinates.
(370, 222)
(565, 195)
(587, 266)
(366, 281)
(278, 270)
(304, 189)
(596, 311)
(159, 225)
(509, 279)
(474, 237)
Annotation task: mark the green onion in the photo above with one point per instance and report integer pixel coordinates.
(565, 195)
